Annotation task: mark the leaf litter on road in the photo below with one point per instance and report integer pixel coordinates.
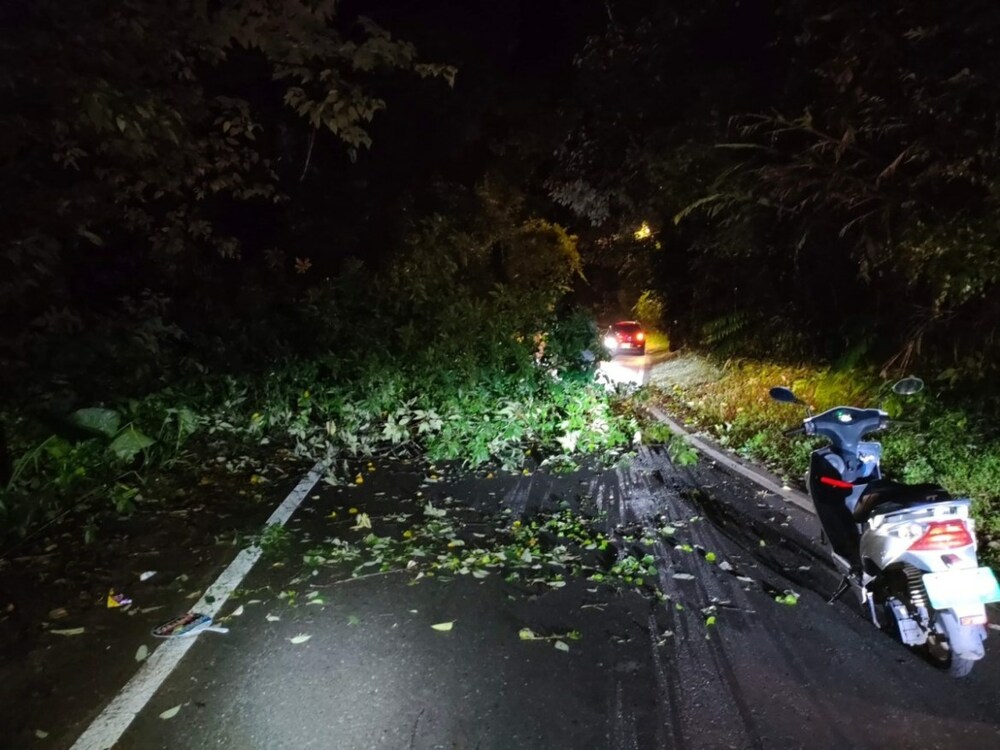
(171, 712)
(68, 631)
(540, 554)
(788, 598)
(527, 634)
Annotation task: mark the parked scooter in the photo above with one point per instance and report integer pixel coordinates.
(910, 550)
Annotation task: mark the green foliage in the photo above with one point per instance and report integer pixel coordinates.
(128, 175)
(158, 203)
(545, 551)
(53, 472)
(839, 197)
(469, 386)
(650, 309)
(275, 540)
(129, 443)
(654, 432)
(566, 341)
(100, 421)
(541, 256)
(681, 451)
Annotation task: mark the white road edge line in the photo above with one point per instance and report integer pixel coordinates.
(112, 722)
(788, 495)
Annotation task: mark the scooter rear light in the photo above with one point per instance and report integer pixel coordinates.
(943, 535)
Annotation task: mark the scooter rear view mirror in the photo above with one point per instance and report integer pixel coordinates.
(784, 395)
(908, 386)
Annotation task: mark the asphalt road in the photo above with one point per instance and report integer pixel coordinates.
(644, 674)
(633, 368)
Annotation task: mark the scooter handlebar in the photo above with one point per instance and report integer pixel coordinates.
(821, 424)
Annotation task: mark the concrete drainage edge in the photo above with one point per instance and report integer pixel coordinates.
(730, 462)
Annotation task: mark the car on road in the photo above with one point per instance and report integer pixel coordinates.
(625, 336)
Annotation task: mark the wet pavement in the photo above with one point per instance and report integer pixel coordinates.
(721, 663)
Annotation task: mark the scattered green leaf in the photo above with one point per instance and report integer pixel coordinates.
(171, 712)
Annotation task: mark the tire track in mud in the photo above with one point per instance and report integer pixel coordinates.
(759, 626)
(763, 629)
(771, 567)
(769, 675)
(766, 675)
(691, 718)
(623, 730)
(670, 691)
(695, 666)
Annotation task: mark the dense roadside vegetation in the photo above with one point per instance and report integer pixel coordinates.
(495, 412)
(342, 229)
(219, 235)
(814, 180)
(478, 376)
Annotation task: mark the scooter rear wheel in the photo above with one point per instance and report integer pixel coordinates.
(938, 650)
(942, 658)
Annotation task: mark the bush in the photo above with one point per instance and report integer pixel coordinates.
(649, 309)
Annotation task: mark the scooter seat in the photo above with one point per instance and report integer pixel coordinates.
(886, 496)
